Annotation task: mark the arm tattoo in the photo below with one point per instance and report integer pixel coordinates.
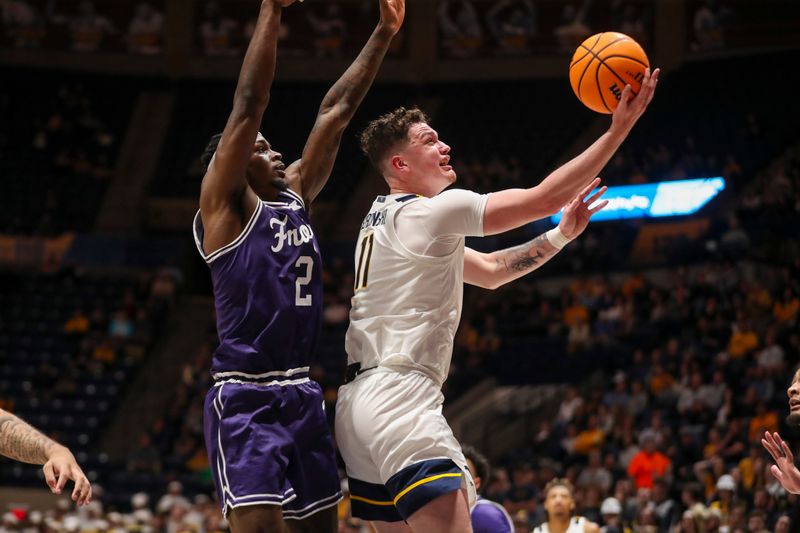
(337, 110)
(526, 256)
(351, 88)
(22, 442)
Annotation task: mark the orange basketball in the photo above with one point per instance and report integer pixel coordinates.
(602, 66)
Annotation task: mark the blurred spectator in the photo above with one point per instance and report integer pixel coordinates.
(121, 325)
(87, 28)
(595, 475)
(145, 457)
(512, 24)
(173, 499)
(764, 420)
(460, 27)
(709, 23)
(77, 324)
(146, 30)
(590, 439)
(573, 29)
(648, 464)
(330, 30)
(218, 32)
(23, 22)
(743, 339)
(627, 18)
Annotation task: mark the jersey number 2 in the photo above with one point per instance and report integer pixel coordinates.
(302, 281)
(364, 256)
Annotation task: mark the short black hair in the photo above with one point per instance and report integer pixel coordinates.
(481, 464)
(210, 150)
(383, 133)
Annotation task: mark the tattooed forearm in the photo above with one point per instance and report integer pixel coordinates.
(525, 257)
(348, 92)
(337, 110)
(22, 442)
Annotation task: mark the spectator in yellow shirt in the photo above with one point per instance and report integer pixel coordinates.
(786, 309)
(764, 420)
(743, 340)
(77, 323)
(591, 438)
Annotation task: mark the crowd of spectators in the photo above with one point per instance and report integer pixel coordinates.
(474, 28)
(466, 28)
(134, 26)
(172, 512)
(71, 343)
(321, 30)
(57, 153)
(701, 357)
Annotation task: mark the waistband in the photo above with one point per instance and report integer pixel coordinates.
(355, 369)
(275, 377)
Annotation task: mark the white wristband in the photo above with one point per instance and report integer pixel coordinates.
(557, 238)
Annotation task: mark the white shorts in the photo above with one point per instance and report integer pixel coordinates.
(399, 451)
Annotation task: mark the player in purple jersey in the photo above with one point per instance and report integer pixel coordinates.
(486, 516)
(268, 442)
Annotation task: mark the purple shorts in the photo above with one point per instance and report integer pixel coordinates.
(271, 445)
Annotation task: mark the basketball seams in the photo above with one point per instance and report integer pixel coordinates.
(615, 41)
(624, 83)
(588, 51)
(580, 80)
(599, 90)
(623, 56)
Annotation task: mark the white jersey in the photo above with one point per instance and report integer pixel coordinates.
(409, 280)
(576, 525)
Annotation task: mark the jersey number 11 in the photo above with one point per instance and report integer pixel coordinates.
(365, 254)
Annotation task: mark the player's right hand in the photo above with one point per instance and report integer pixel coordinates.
(784, 469)
(61, 467)
(576, 214)
(393, 12)
(631, 106)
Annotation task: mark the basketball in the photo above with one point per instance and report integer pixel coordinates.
(601, 67)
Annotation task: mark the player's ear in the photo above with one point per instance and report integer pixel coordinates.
(398, 163)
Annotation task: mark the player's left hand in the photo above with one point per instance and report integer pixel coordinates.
(784, 469)
(61, 467)
(393, 12)
(576, 214)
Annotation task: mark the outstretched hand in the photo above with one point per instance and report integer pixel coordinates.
(62, 467)
(576, 214)
(393, 12)
(784, 469)
(631, 106)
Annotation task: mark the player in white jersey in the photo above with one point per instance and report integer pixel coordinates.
(559, 505)
(405, 467)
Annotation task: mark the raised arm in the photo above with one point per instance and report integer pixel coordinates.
(225, 184)
(21, 442)
(309, 174)
(513, 208)
(498, 268)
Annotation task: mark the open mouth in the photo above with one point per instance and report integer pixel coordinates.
(794, 405)
(444, 163)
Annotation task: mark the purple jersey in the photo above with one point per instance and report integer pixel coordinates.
(490, 517)
(267, 293)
